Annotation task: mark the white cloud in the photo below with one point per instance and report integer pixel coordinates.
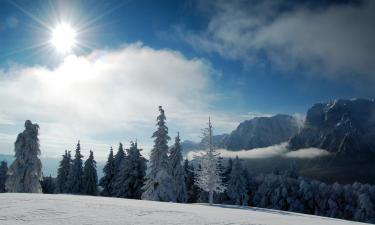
(332, 40)
(109, 96)
(279, 150)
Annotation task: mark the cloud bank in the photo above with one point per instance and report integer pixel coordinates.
(107, 96)
(331, 40)
(268, 152)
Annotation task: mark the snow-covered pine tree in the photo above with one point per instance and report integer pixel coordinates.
(129, 181)
(63, 173)
(237, 184)
(177, 171)
(109, 172)
(158, 185)
(208, 175)
(76, 173)
(3, 175)
(25, 172)
(90, 177)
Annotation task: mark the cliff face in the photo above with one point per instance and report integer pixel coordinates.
(343, 127)
(262, 132)
(255, 133)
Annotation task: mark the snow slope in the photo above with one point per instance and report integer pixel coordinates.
(44, 209)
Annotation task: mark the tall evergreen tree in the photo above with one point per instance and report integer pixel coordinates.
(129, 181)
(109, 173)
(208, 176)
(237, 184)
(118, 160)
(25, 172)
(76, 173)
(63, 173)
(158, 186)
(3, 175)
(177, 171)
(90, 177)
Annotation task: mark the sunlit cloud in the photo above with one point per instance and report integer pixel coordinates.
(110, 96)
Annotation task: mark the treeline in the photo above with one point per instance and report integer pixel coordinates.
(171, 179)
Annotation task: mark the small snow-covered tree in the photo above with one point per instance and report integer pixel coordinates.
(90, 177)
(159, 185)
(48, 185)
(237, 184)
(129, 181)
(76, 173)
(3, 175)
(208, 175)
(177, 171)
(63, 173)
(25, 172)
(109, 173)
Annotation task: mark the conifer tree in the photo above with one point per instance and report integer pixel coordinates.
(109, 173)
(76, 173)
(158, 186)
(3, 175)
(48, 185)
(191, 189)
(129, 181)
(208, 176)
(237, 184)
(177, 171)
(63, 173)
(118, 160)
(25, 172)
(90, 177)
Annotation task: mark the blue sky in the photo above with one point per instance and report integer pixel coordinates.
(196, 58)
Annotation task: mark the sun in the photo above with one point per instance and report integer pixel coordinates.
(63, 38)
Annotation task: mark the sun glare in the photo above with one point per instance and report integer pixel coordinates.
(63, 38)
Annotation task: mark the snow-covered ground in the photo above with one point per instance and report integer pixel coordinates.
(41, 209)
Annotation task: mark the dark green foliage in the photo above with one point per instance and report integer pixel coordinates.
(76, 173)
(109, 173)
(3, 175)
(90, 178)
(63, 173)
(48, 185)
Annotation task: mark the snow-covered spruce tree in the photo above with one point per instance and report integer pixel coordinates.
(90, 177)
(159, 185)
(25, 172)
(237, 184)
(177, 171)
(76, 173)
(109, 172)
(208, 175)
(63, 173)
(129, 181)
(3, 175)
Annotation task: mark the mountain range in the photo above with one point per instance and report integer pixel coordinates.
(255, 133)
